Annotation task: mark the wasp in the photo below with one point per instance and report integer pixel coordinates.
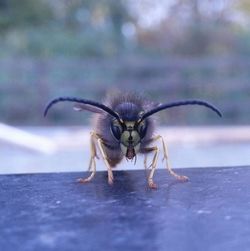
(124, 127)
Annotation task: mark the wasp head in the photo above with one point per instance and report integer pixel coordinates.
(129, 130)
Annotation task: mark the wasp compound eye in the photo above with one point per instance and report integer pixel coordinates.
(142, 129)
(116, 129)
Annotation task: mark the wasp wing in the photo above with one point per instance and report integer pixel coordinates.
(85, 107)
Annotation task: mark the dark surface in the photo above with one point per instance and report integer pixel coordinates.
(52, 212)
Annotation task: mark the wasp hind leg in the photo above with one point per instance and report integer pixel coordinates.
(92, 163)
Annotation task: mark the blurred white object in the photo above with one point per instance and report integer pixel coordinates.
(188, 147)
(25, 139)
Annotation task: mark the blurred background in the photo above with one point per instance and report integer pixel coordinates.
(167, 49)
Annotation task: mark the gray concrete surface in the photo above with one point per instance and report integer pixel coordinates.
(53, 212)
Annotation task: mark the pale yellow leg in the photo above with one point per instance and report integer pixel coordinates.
(104, 156)
(153, 164)
(145, 161)
(92, 163)
(165, 157)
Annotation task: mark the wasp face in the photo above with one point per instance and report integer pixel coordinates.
(129, 134)
(130, 140)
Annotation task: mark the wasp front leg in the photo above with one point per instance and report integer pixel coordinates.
(165, 157)
(153, 165)
(105, 159)
(92, 163)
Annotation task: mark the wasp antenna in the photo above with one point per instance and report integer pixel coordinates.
(83, 101)
(180, 103)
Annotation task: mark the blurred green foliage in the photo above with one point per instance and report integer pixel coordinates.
(108, 28)
(199, 49)
(14, 13)
(69, 28)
